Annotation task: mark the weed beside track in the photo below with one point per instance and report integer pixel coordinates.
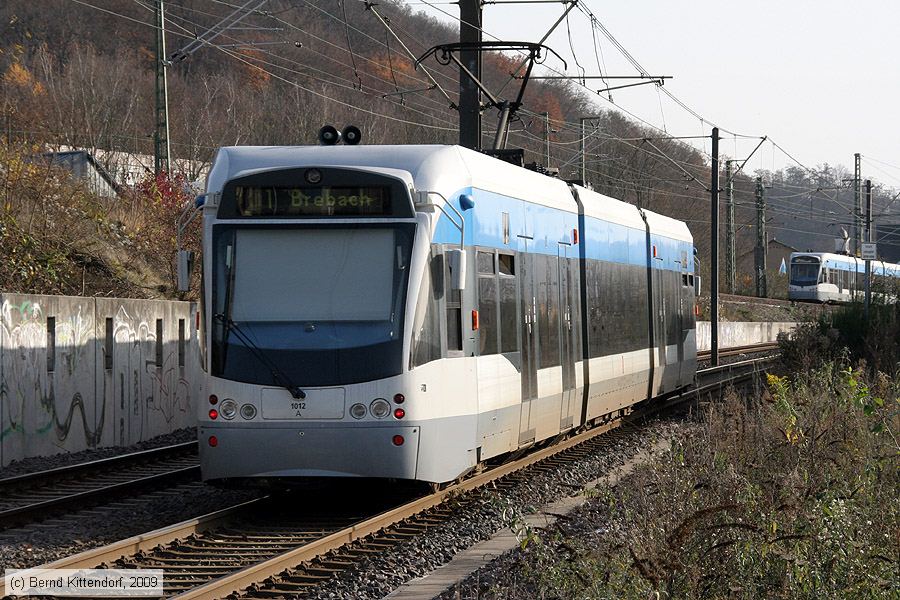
(791, 495)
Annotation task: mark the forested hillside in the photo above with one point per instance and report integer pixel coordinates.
(81, 74)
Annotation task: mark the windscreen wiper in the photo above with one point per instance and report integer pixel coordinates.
(277, 374)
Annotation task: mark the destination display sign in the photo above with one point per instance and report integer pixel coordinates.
(315, 193)
(312, 201)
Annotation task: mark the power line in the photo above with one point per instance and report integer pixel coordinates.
(345, 21)
(332, 59)
(242, 59)
(324, 79)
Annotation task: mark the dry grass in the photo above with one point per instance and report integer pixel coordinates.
(792, 495)
(58, 238)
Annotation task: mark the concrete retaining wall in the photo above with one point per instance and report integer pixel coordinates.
(78, 373)
(740, 333)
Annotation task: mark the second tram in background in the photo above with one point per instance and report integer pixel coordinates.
(828, 277)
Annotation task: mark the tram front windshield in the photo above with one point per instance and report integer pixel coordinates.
(805, 271)
(316, 305)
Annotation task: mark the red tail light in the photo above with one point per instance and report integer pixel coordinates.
(474, 320)
(213, 414)
(398, 440)
(213, 441)
(399, 413)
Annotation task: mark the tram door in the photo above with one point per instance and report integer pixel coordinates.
(659, 294)
(683, 317)
(567, 309)
(527, 322)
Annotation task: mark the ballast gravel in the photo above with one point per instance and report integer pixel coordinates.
(62, 536)
(44, 463)
(491, 511)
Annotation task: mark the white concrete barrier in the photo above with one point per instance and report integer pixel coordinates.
(741, 333)
(78, 373)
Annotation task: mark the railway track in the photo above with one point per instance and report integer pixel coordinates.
(34, 496)
(755, 300)
(739, 350)
(276, 547)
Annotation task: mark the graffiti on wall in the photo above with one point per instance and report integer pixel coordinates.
(70, 380)
(29, 376)
(144, 390)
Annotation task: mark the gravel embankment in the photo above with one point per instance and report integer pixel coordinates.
(43, 463)
(69, 534)
(504, 574)
(747, 308)
(375, 578)
(380, 575)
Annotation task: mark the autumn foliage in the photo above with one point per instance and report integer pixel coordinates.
(163, 198)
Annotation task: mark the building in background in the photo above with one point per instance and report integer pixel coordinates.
(83, 166)
(127, 169)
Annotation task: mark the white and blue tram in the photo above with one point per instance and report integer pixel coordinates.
(411, 311)
(827, 277)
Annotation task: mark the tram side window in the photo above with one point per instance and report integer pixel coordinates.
(485, 262)
(670, 289)
(594, 310)
(487, 303)
(509, 331)
(546, 276)
(427, 326)
(454, 314)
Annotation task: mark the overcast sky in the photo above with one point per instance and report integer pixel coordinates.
(819, 77)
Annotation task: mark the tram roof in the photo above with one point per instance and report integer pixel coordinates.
(442, 168)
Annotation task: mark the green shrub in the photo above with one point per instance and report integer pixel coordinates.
(789, 496)
(846, 334)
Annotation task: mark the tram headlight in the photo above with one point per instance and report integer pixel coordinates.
(228, 409)
(248, 411)
(358, 411)
(380, 408)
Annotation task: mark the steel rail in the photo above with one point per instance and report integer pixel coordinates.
(148, 541)
(780, 302)
(112, 461)
(755, 300)
(264, 570)
(38, 494)
(736, 350)
(750, 362)
(221, 587)
(735, 372)
(10, 515)
(251, 575)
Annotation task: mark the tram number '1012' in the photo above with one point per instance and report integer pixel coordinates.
(297, 407)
